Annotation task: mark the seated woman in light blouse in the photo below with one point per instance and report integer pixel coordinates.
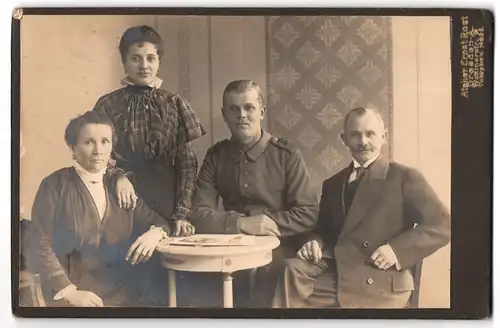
(81, 238)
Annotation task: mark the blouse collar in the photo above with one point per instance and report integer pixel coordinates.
(89, 176)
(157, 82)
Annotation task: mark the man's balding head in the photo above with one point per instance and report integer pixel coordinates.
(364, 133)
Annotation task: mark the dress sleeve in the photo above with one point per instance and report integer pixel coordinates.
(44, 212)
(186, 161)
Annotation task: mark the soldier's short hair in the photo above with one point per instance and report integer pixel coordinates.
(240, 86)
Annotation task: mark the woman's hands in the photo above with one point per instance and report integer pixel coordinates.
(143, 248)
(83, 298)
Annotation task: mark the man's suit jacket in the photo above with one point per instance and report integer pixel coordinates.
(390, 200)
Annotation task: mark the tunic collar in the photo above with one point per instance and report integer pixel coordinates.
(253, 153)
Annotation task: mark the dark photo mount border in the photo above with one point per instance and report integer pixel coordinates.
(472, 178)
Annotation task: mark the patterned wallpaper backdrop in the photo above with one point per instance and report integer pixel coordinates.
(318, 69)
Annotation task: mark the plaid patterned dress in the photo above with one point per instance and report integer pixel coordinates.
(155, 129)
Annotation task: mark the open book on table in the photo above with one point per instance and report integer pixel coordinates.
(213, 240)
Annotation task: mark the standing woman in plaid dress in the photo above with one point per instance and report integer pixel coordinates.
(156, 130)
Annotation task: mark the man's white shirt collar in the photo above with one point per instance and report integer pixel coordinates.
(366, 164)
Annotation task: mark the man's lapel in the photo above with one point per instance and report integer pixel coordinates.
(371, 188)
(332, 201)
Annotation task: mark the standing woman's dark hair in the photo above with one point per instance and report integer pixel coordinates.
(155, 129)
(140, 35)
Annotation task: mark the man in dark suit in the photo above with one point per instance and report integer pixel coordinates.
(377, 220)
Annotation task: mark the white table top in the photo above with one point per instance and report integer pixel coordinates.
(262, 243)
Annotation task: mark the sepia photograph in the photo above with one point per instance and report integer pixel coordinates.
(252, 161)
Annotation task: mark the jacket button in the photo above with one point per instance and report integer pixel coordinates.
(245, 185)
(365, 244)
(370, 281)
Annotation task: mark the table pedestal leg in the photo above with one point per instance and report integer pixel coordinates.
(172, 292)
(228, 290)
(252, 274)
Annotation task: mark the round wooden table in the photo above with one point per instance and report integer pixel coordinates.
(225, 259)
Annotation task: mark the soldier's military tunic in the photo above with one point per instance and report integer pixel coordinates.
(271, 178)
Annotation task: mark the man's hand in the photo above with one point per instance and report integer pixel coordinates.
(83, 298)
(183, 228)
(311, 251)
(384, 257)
(259, 225)
(126, 193)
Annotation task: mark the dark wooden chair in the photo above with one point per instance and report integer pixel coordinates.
(30, 291)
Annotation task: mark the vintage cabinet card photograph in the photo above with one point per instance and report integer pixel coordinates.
(258, 163)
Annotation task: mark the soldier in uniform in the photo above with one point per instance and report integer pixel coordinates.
(262, 180)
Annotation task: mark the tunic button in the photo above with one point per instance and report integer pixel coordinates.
(370, 281)
(245, 185)
(365, 244)
(246, 173)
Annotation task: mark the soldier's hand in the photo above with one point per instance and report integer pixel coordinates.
(259, 225)
(311, 251)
